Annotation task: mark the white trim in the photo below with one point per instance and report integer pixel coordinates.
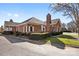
(33, 28)
(41, 27)
(44, 29)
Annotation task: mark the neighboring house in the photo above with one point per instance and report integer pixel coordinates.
(34, 25)
(1, 29)
(10, 25)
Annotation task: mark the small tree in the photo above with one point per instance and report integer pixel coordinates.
(68, 9)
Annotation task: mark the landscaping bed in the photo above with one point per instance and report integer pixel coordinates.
(41, 36)
(38, 36)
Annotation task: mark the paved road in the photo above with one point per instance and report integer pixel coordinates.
(25, 48)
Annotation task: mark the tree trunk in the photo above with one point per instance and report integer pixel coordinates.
(77, 24)
(78, 31)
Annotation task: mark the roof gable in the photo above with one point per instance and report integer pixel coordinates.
(54, 21)
(33, 20)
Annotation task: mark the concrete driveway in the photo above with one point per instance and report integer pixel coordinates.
(14, 46)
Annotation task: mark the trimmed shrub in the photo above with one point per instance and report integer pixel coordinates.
(25, 34)
(21, 34)
(56, 33)
(43, 36)
(17, 33)
(38, 36)
(67, 31)
(8, 32)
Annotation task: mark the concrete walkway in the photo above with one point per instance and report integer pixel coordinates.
(28, 49)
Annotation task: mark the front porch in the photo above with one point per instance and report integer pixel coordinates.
(31, 28)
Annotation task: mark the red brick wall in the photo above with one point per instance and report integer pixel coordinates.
(37, 28)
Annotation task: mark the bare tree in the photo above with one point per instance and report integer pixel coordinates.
(68, 9)
(64, 27)
(72, 26)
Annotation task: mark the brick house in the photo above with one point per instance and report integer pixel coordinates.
(34, 25)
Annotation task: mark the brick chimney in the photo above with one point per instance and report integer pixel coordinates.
(11, 20)
(48, 22)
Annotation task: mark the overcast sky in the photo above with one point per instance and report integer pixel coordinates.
(22, 11)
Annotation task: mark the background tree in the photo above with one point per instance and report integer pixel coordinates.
(68, 9)
(71, 26)
(64, 27)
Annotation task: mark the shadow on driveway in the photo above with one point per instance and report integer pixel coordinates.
(54, 41)
(57, 43)
(14, 39)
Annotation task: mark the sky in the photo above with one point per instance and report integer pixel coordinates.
(20, 12)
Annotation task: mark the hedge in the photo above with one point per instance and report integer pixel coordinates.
(43, 36)
(38, 36)
(7, 32)
(56, 33)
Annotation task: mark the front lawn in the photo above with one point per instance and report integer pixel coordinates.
(66, 39)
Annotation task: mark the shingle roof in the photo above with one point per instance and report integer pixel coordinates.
(8, 23)
(54, 21)
(33, 20)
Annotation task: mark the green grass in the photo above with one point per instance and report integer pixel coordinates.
(69, 41)
(66, 38)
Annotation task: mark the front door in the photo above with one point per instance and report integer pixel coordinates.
(31, 29)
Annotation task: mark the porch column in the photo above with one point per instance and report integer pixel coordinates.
(41, 27)
(33, 28)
